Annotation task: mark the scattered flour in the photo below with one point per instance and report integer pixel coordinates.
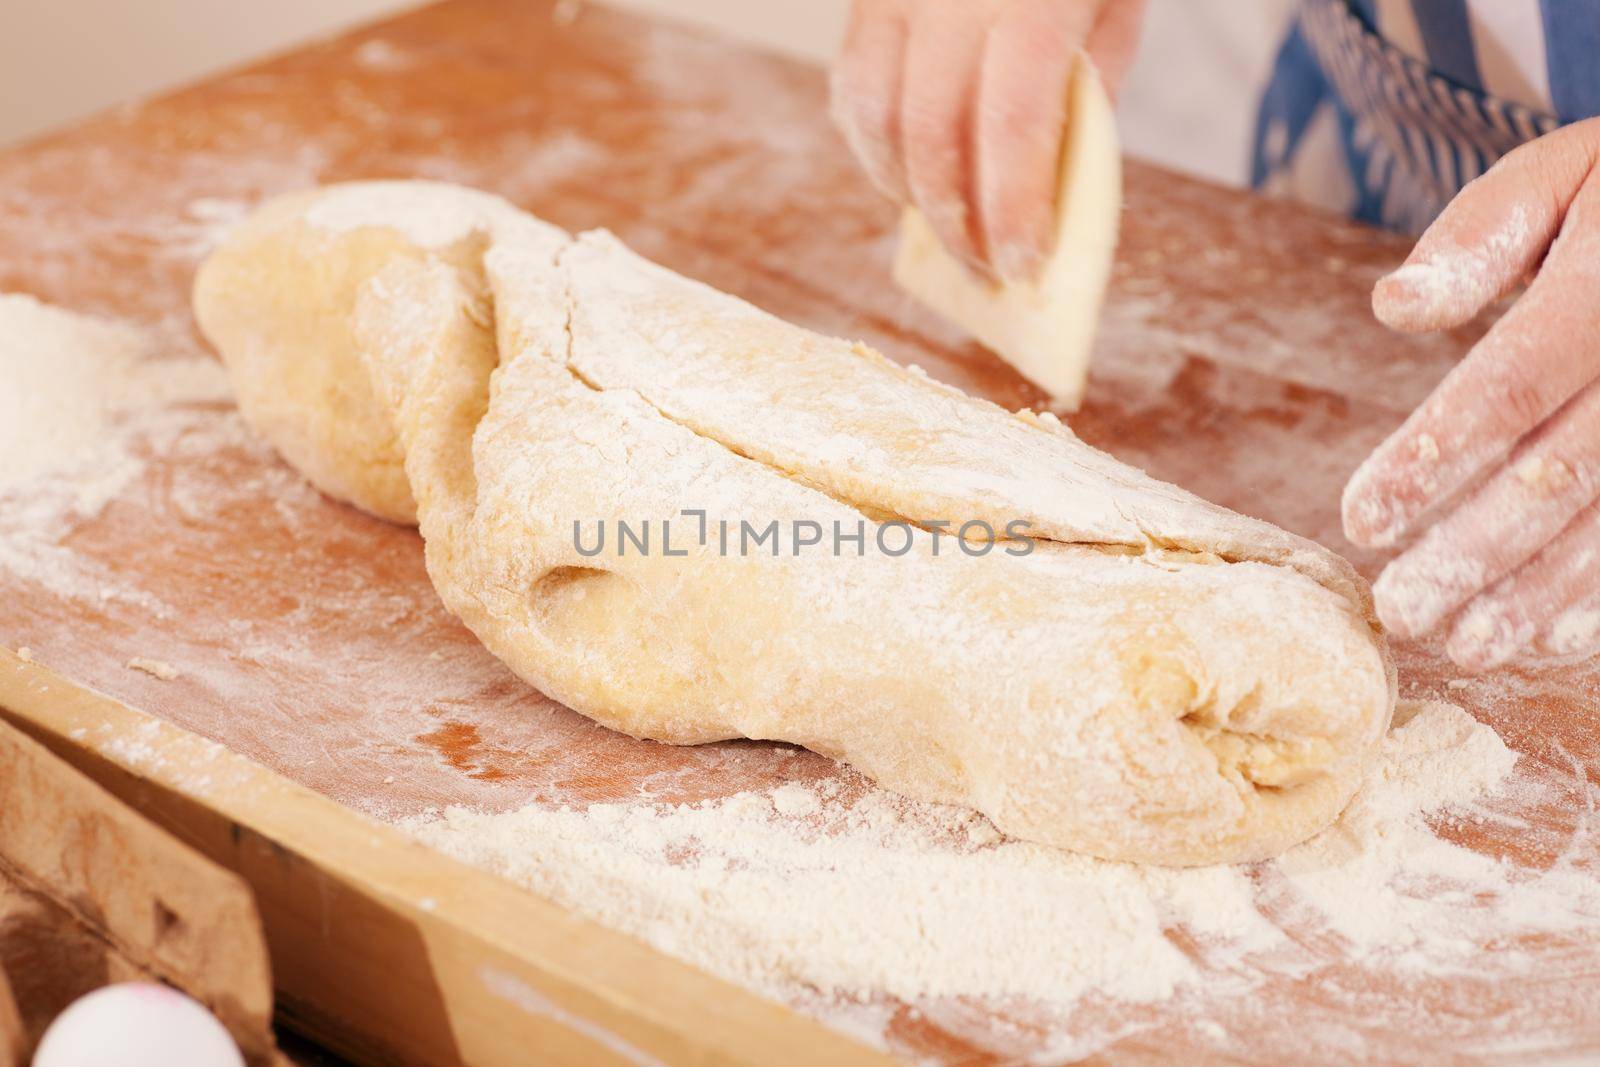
(378, 54)
(616, 854)
(86, 401)
(795, 897)
(208, 219)
(795, 801)
(416, 209)
(154, 667)
(69, 380)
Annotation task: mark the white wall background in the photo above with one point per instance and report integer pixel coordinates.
(63, 59)
(1187, 102)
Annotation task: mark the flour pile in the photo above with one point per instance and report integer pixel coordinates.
(70, 381)
(85, 402)
(798, 891)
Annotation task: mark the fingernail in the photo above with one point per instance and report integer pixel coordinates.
(1369, 518)
(1403, 284)
(1390, 607)
(1422, 296)
(1402, 297)
(1574, 630)
(979, 269)
(1017, 262)
(1370, 521)
(881, 172)
(1485, 637)
(1416, 591)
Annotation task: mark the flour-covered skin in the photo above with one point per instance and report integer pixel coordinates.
(958, 108)
(1518, 420)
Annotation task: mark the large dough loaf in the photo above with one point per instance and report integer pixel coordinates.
(1146, 677)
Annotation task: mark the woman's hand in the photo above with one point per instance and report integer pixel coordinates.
(1513, 563)
(959, 106)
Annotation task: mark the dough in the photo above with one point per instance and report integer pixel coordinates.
(1143, 676)
(1044, 328)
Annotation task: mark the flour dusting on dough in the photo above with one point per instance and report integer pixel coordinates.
(1267, 685)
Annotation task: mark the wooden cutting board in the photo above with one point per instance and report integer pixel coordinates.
(92, 895)
(1237, 358)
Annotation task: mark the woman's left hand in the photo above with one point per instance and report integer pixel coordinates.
(1513, 563)
(959, 108)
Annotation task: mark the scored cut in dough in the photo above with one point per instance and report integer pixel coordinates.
(1157, 679)
(1045, 327)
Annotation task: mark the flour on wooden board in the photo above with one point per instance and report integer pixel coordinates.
(829, 898)
(156, 668)
(80, 392)
(795, 892)
(69, 381)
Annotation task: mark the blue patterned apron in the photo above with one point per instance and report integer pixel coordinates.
(1407, 135)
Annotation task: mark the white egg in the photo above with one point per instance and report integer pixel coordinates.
(136, 1024)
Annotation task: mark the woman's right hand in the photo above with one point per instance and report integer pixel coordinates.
(959, 108)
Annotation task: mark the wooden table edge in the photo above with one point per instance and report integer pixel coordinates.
(388, 951)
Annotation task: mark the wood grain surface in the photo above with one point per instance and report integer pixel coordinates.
(91, 893)
(13, 1037)
(383, 949)
(1237, 358)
